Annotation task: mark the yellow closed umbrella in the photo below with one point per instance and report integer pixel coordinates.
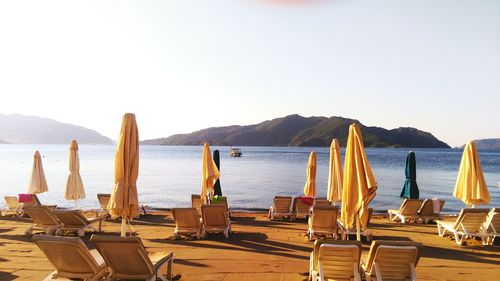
(310, 186)
(334, 193)
(209, 173)
(471, 187)
(359, 184)
(74, 183)
(38, 183)
(124, 201)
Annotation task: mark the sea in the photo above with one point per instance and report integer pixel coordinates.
(168, 175)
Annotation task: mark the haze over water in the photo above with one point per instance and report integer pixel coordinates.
(169, 174)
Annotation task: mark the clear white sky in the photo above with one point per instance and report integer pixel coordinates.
(185, 65)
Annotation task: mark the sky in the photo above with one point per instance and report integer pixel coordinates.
(185, 65)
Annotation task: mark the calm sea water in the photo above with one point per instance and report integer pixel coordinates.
(169, 174)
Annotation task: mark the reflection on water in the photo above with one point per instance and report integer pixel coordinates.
(169, 174)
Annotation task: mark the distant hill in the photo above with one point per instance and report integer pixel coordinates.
(295, 130)
(487, 144)
(21, 129)
(3, 142)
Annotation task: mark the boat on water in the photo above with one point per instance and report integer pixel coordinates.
(235, 152)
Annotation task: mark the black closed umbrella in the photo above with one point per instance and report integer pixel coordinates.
(217, 189)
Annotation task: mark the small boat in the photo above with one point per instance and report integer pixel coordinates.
(235, 152)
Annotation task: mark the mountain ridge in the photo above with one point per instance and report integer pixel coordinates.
(295, 130)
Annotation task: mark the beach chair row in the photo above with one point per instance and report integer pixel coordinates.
(214, 219)
(58, 222)
(471, 223)
(116, 258)
(342, 260)
(16, 204)
(294, 208)
(417, 210)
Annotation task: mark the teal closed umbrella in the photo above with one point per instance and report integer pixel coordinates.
(410, 187)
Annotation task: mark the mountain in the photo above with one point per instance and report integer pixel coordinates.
(487, 144)
(295, 130)
(21, 129)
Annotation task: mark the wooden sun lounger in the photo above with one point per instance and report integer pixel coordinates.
(43, 219)
(392, 260)
(470, 223)
(339, 260)
(187, 221)
(492, 225)
(408, 212)
(300, 209)
(12, 206)
(74, 220)
(215, 220)
(71, 258)
(281, 208)
(323, 221)
(127, 258)
(196, 202)
(427, 213)
(350, 231)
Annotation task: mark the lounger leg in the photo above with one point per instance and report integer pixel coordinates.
(441, 230)
(459, 239)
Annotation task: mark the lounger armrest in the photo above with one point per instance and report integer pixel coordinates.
(98, 258)
(159, 258)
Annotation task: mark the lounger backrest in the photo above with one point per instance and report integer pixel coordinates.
(324, 217)
(377, 243)
(71, 217)
(103, 200)
(126, 256)
(11, 202)
(186, 217)
(427, 208)
(410, 206)
(42, 216)
(221, 201)
(299, 206)
(69, 255)
(471, 219)
(322, 202)
(34, 202)
(493, 221)
(282, 204)
(196, 202)
(339, 261)
(319, 242)
(395, 262)
(214, 215)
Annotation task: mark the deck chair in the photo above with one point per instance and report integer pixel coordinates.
(300, 209)
(469, 223)
(127, 258)
(215, 220)
(492, 224)
(43, 219)
(323, 221)
(281, 208)
(187, 221)
(35, 202)
(71, 258)
(408, 211)
(322, 202)
(392, 260)
(350, 231)
(12, 206)
(196, 202)
(427, 212)
(103, 201)
(74, 220)
(337, 262)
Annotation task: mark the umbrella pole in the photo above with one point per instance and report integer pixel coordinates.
(124, 227)
(358, 228)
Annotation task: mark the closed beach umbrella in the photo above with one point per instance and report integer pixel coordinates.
(124, 202)
(209, 173)
(410, 187)
(359, 183)
(38, 183)
(217, 187)
(335, 175)
(471, 187)
(74, 183)
(310, 186)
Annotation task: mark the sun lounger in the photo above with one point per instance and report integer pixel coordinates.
(339, 260)
(74, 220)
(408, 211)
(127, 258)
(492, 224)
(187, 221)
(196, 202)
(322, 202)
(392, 260)
(35, 202)
(12, 206)
(215, 220)
(71, 258)
(281, 208)
(470, 223)
(428, 213)
(323, 221)
(352, 231)
(300, 209)
(103, 201)
(43, 219)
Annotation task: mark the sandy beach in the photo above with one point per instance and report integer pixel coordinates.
(258, 249)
